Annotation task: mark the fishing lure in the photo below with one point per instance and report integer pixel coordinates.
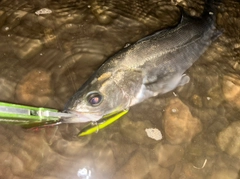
(95, 126)
(32, 117)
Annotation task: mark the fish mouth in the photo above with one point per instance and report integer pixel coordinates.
(81, 117)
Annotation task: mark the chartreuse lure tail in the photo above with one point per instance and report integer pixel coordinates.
(94, 127)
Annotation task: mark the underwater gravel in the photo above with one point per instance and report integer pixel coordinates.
(45, 58)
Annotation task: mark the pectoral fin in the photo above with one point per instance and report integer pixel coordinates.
(167, 83)
(184, 80)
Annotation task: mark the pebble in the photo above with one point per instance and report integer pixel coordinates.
(231, 90)
(154, 133)
(167, 154)
(133, 168)
(179, 124)
(43, 11)
(228, 139)
(35, 88)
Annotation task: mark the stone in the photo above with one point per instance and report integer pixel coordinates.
(35, 88)
(158, 172)
(167, 154)
(154, 133)
(190, 172)
(134, 131)
(224, 174)
(122, 149)
(231, 90)
(179, 124)
(136, 167)
(228, 139)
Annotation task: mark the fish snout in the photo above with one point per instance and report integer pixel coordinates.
(80, 117)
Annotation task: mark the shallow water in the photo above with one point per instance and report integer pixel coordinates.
(44, 59)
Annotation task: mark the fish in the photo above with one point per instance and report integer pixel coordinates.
(152, 66)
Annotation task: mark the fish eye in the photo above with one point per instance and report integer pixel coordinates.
(94, 98)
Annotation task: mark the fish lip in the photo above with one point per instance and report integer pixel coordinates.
(77, 112)
(81, 116)
(71, 112)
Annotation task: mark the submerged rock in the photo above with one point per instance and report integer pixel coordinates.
(231, 90)
(229, 141)
(154, 133)
(136, 167)
(134, 131)
(35, 86)
(167, 154)
(68, 45)
(158, 172)
(224, 174)
(179, 124)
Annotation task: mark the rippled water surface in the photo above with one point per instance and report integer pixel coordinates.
(45, 56)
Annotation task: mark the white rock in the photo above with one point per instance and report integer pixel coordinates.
(43, 11)
(154, 133)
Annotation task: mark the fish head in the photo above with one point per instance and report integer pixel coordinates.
(98, 97)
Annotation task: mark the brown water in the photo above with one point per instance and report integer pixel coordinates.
(44, 59)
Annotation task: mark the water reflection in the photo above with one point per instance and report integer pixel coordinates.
(44, 59)
(84, 173)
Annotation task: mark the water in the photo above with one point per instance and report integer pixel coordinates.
(45, 56)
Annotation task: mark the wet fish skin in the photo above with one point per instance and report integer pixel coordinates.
(154, 65)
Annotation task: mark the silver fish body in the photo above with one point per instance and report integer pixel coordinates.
(154, 65)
